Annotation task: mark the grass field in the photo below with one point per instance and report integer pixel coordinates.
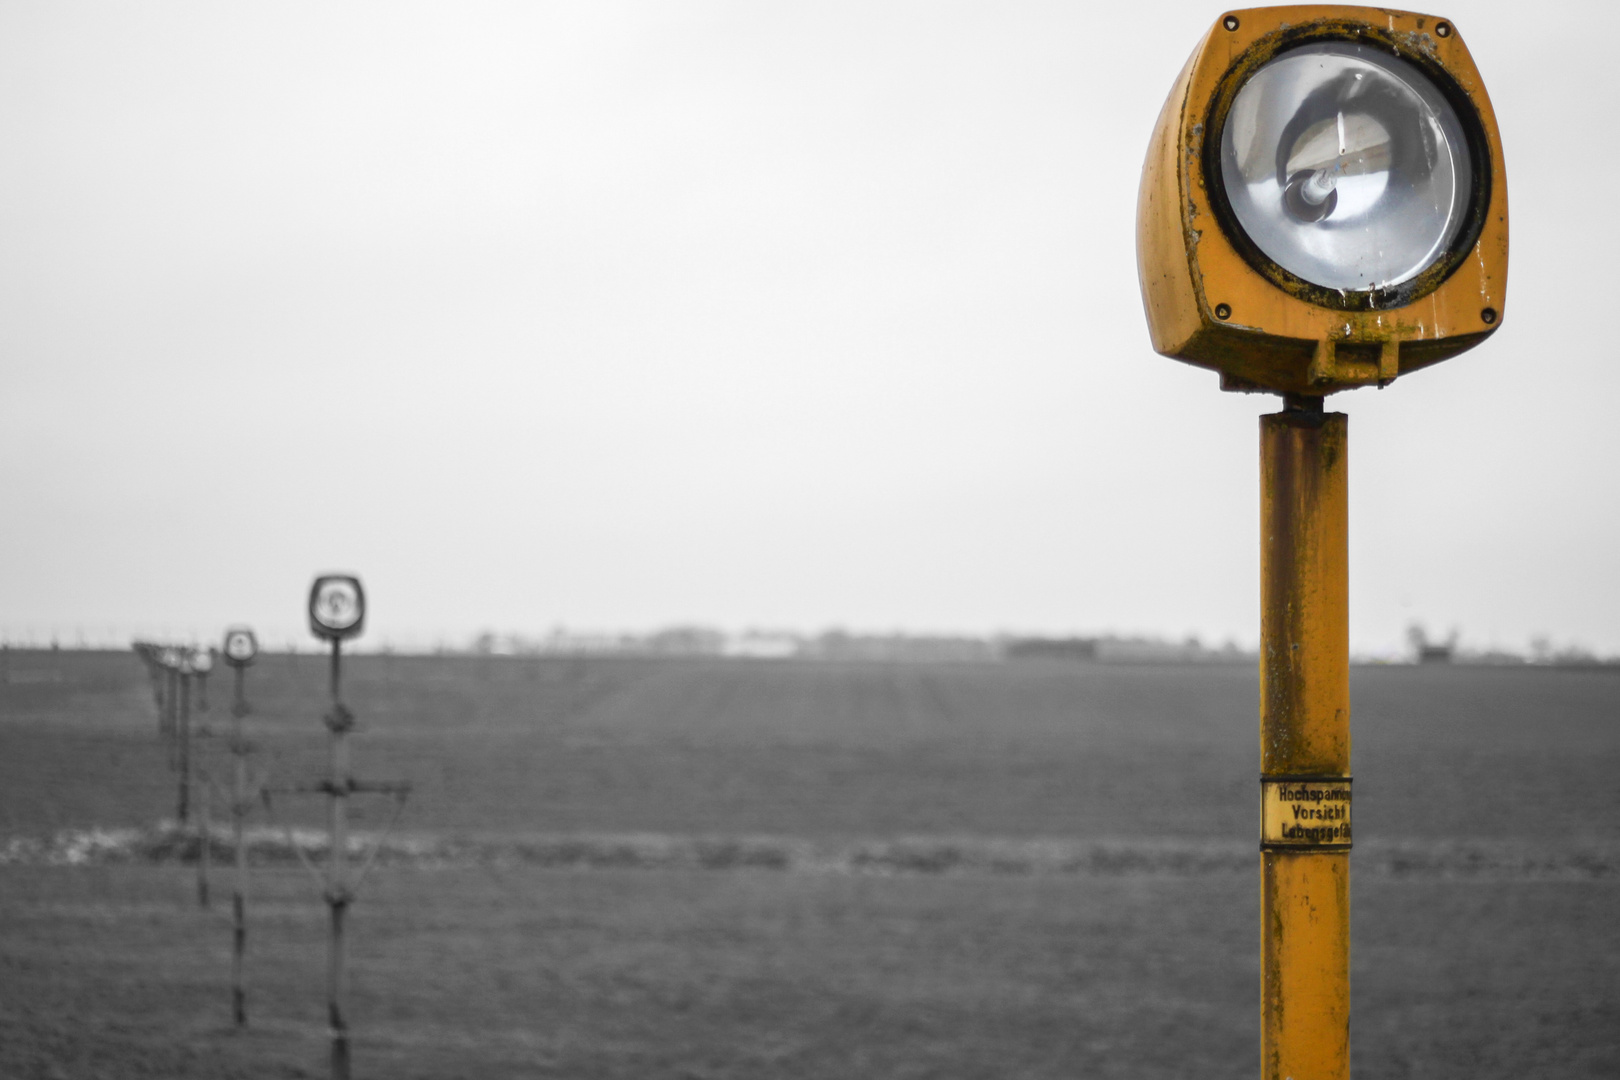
(1487, 873)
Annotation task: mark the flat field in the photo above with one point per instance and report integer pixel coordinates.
(1487, 872)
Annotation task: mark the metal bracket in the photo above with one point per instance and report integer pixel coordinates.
(1331, 372)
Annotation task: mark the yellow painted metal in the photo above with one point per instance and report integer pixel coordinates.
(1261, 328)
(1208, 306)
(1304, 732)
(1305, 966)
(1304, 595)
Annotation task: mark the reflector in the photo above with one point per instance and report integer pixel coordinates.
(1346, 166)
(337, 606)
(240, 645)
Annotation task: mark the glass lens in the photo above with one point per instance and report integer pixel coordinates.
(337, 605)
(1346, 166)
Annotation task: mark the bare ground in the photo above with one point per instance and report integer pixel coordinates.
(495, 968)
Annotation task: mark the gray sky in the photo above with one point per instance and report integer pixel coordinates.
(749, 314)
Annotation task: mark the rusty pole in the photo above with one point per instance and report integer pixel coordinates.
(339, 721)
(1304, 744)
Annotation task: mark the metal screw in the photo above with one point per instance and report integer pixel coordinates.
(1488, 315)
(1224, 312)
(1231, 23)
(1442, 29)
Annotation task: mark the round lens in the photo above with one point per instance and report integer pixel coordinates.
(337, 605)
(239, 645)
(1346, 166)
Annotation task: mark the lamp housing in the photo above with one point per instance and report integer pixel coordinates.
(240, 647)
(337, 607)
(1324, 201)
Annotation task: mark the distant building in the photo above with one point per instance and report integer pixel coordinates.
(840, 645)
(762, 644)
(685, 641)
(1031, 648)
(1191, 651)
(1427, 650)
(1435, 652)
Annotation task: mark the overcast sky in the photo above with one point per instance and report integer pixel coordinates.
(746, 314)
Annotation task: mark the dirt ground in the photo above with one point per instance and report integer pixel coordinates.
(113, 972)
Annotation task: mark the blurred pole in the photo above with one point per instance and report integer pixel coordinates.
(205, 835)
(205, 802)
(183, 737)
(159, 679)
(171, 712)
(238, 835)
(1304, 742)
(338, 721)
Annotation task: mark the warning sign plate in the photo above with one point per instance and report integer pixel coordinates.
(1305, 812)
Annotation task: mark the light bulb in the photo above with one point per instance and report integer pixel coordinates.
(1346, 166)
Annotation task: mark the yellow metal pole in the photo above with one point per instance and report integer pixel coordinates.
(1304, 745)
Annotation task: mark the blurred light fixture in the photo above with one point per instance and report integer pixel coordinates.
(241, 646)
(337, 607)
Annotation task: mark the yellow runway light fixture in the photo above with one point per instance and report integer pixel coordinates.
(1324, 203)
(241, 646)
(202, 662)
(337, 607)
(1323, 206)
(337, 611)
